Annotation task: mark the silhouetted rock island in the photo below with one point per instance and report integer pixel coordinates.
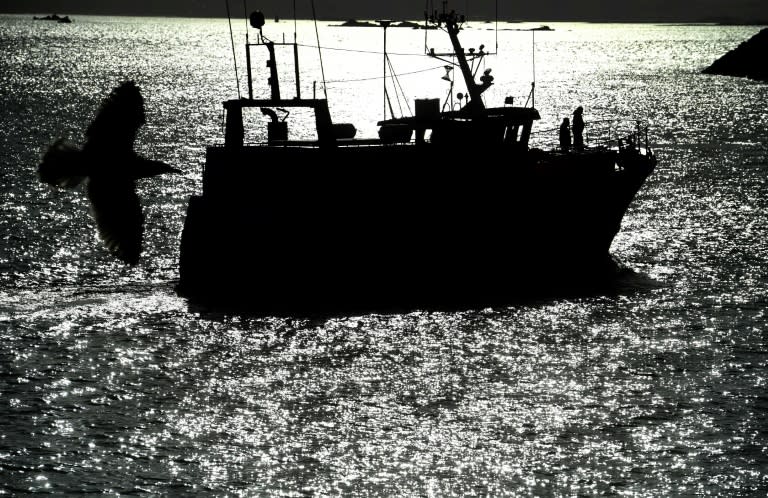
(353, 23)
(746, 60)
(53, 17)
(543, 27)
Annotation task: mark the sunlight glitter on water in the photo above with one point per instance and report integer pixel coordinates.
(111, 383)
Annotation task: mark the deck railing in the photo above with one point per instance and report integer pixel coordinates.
(604, 133)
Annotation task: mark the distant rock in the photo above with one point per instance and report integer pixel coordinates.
(747, 60)
(353, 23)
(543, 27)
(407, 24)
(54, 17)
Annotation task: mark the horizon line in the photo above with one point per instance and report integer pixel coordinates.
(724, 21)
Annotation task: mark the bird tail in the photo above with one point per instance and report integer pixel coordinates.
(62, 165)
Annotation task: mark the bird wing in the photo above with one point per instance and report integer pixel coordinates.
(117, 211)
(108, 161)
(62, 165)
(118, 120)
(145, 168)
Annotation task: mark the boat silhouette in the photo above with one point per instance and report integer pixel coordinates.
(446, 208)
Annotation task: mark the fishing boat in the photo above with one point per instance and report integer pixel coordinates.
(446, 208)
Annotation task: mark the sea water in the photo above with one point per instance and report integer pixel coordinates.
(110, 382)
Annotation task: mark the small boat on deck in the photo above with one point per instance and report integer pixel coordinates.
(445, 209)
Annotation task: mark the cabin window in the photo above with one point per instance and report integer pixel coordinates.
(511, 134)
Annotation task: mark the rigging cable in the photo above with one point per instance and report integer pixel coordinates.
(379, 77)
(320, 52)
(245, 18)
(384, 78)
(426, 17)
(533, 64)
(234, 57)
(396, 79)
(394, 84)
(360, 51)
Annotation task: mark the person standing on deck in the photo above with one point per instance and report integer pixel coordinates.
(565, 135)
(578, 128)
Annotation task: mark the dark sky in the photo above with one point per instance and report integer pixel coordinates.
(553, 10)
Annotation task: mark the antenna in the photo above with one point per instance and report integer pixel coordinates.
(296, 54)
(248, 68)
(245, 18)
(385, 24)
(497, 26)
(319, 51)
(426, 23)
(232, 39)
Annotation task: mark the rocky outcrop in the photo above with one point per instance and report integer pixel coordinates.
(747, 60)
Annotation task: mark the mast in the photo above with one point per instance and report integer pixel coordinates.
(385, 24)
(257, 21)
(452, 26)
(452, 23)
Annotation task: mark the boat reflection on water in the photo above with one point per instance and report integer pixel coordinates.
(446, 208)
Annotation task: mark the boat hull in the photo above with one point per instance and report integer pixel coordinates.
(306, 229)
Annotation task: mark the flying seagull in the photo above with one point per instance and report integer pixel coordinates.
(109, 167)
